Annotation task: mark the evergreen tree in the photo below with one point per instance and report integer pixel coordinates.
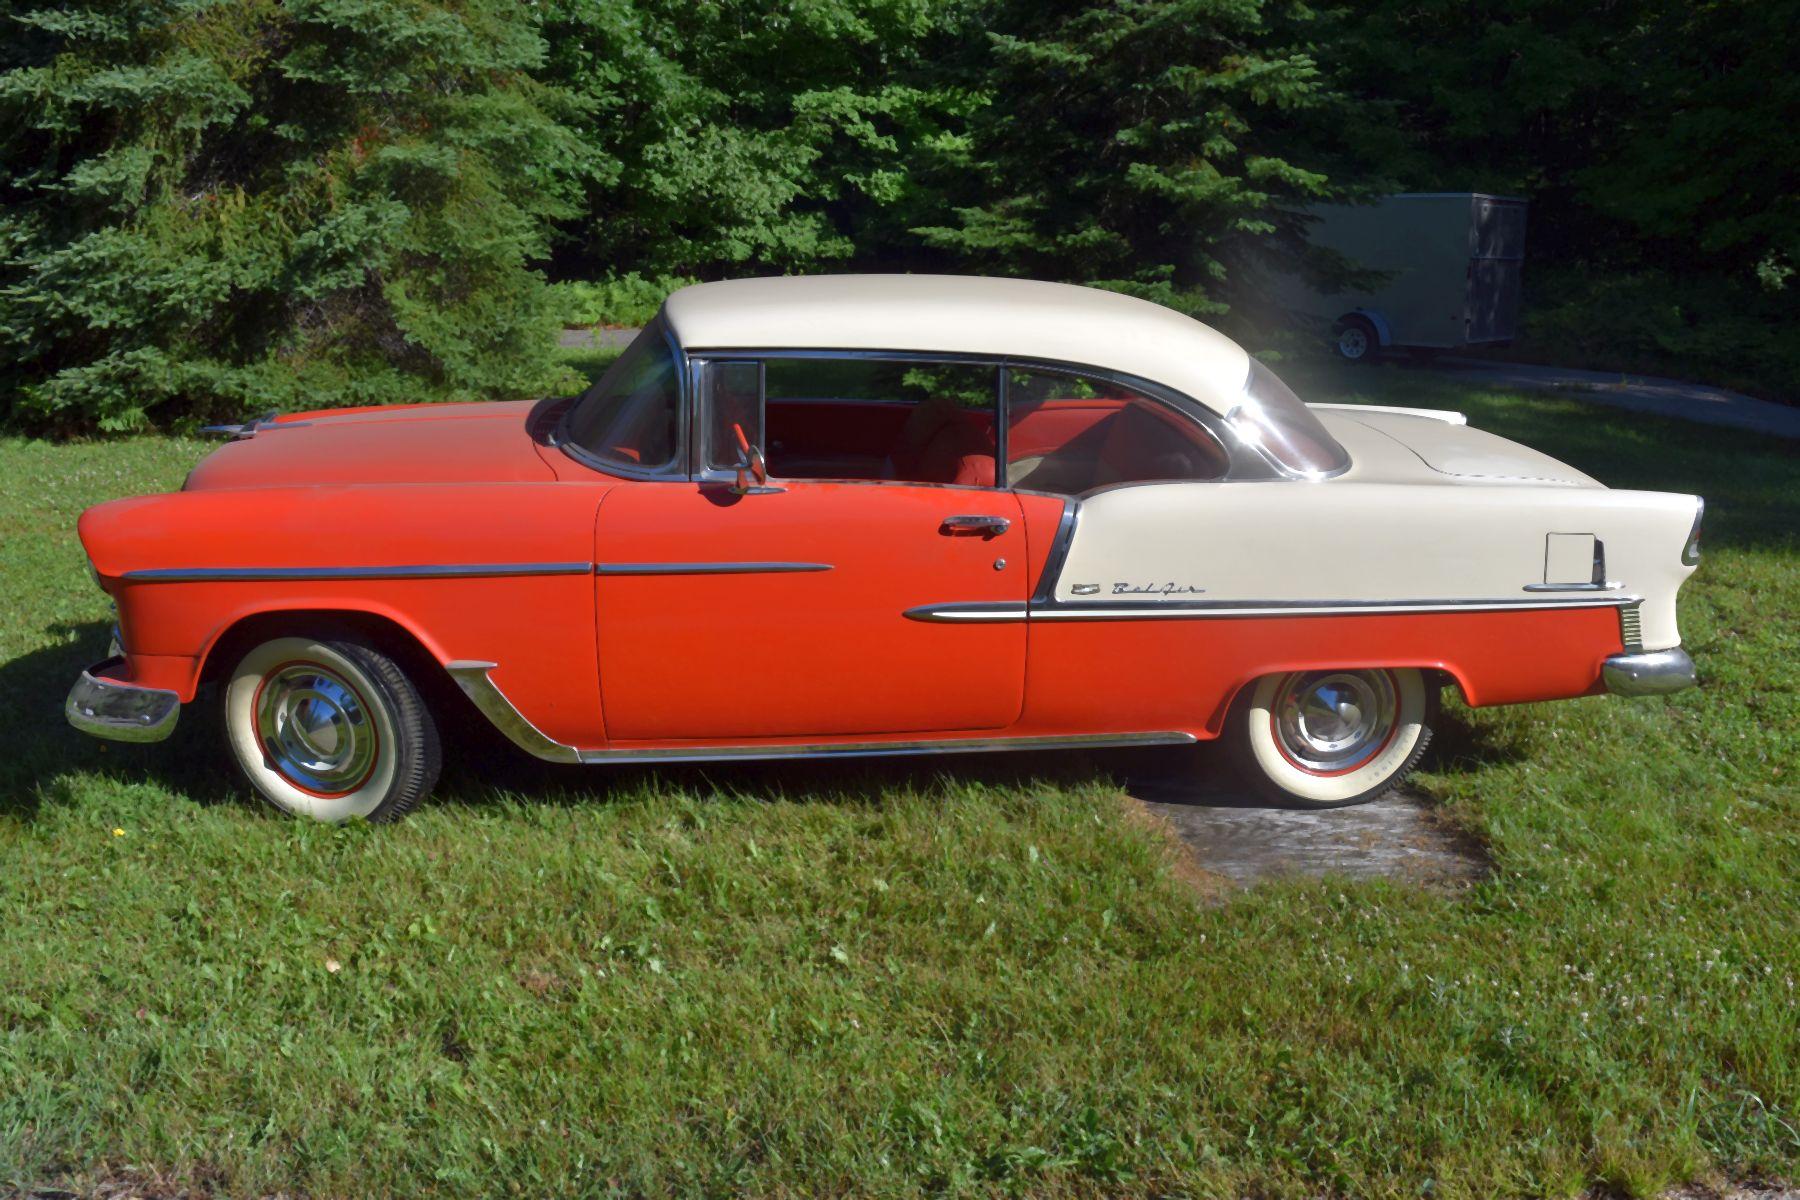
(1139, 145)
(215, 206)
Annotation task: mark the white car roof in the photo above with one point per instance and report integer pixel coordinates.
(963, 314)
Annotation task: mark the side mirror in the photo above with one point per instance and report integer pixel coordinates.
(752, 470)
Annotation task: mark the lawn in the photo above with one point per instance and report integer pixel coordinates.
(951, 977)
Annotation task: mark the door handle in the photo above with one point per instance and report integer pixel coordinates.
(974, 523)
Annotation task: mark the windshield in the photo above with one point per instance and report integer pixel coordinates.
(632, 417)
(1272, 419)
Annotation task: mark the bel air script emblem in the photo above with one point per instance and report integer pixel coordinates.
(1140, 589)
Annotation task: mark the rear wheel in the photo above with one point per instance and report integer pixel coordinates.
(1323, 739)
(330, 730)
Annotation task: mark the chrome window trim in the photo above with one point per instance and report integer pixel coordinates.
(708, 568)
(1281, 468)
(417, 571)
(680, 467)
(1245, 464)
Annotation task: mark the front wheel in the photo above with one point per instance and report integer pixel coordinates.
(1324, 739)
(330, 730)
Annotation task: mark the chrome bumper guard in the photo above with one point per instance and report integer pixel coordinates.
(1649, 673)
(121, 712)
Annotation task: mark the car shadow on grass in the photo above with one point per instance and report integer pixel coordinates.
(40, 753)
(1227, 830)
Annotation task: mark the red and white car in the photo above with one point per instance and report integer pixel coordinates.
(865, 515)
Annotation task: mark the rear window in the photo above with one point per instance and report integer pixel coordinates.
(1272, 419)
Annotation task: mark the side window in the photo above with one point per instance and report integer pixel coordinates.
(880, 419)
(1070, 434)
(632, 416)
(733, 404)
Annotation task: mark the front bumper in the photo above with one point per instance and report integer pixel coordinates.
(1649, 672)
(122, 712)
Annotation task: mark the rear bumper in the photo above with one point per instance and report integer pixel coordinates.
(1649, 673)
(119, 711)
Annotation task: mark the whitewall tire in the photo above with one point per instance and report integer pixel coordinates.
(1321, 739)
(330, 729)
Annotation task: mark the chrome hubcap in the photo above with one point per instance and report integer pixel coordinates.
(314, 728)
(1334, 721)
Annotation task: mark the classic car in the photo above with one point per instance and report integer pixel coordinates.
(871, 515)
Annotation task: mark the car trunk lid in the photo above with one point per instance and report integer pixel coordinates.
(1392, 447)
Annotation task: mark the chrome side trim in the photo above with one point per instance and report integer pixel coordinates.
(960, 611)
(1574, 587)
(1101, 611)
(472, 677)
(418, 571)
(1448, 416)
(1059, 553)
(759, 753)
(1651, 673)
(708, 568)
(120, 712)
(967, 611)
(1690, 551)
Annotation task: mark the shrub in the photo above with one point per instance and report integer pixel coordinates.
(624, 300)
(214, 206)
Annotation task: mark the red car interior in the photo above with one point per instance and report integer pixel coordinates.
(1057, 445)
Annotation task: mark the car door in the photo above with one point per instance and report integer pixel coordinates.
(782, 614)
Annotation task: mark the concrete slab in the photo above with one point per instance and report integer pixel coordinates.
(1246, 841)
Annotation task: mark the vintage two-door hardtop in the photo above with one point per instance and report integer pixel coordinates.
(863, 515)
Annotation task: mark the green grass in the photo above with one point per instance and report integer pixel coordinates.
(958, 978)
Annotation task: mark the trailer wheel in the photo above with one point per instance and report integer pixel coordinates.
(1356, 340)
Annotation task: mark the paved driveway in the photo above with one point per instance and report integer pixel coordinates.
(1639, 393)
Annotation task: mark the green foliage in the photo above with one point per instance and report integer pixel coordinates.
(628, 300)
(1705, 326)
(1135, 146)
(744, 134)
(218, 205)
(1652, 133)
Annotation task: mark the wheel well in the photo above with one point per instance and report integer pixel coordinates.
(1438, 678)
(383, 633)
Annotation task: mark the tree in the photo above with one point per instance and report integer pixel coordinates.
(1139, 145)
(742, 135)
(218, 205)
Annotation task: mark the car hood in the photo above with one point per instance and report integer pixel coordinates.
(1388, 446)
(431, 443)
